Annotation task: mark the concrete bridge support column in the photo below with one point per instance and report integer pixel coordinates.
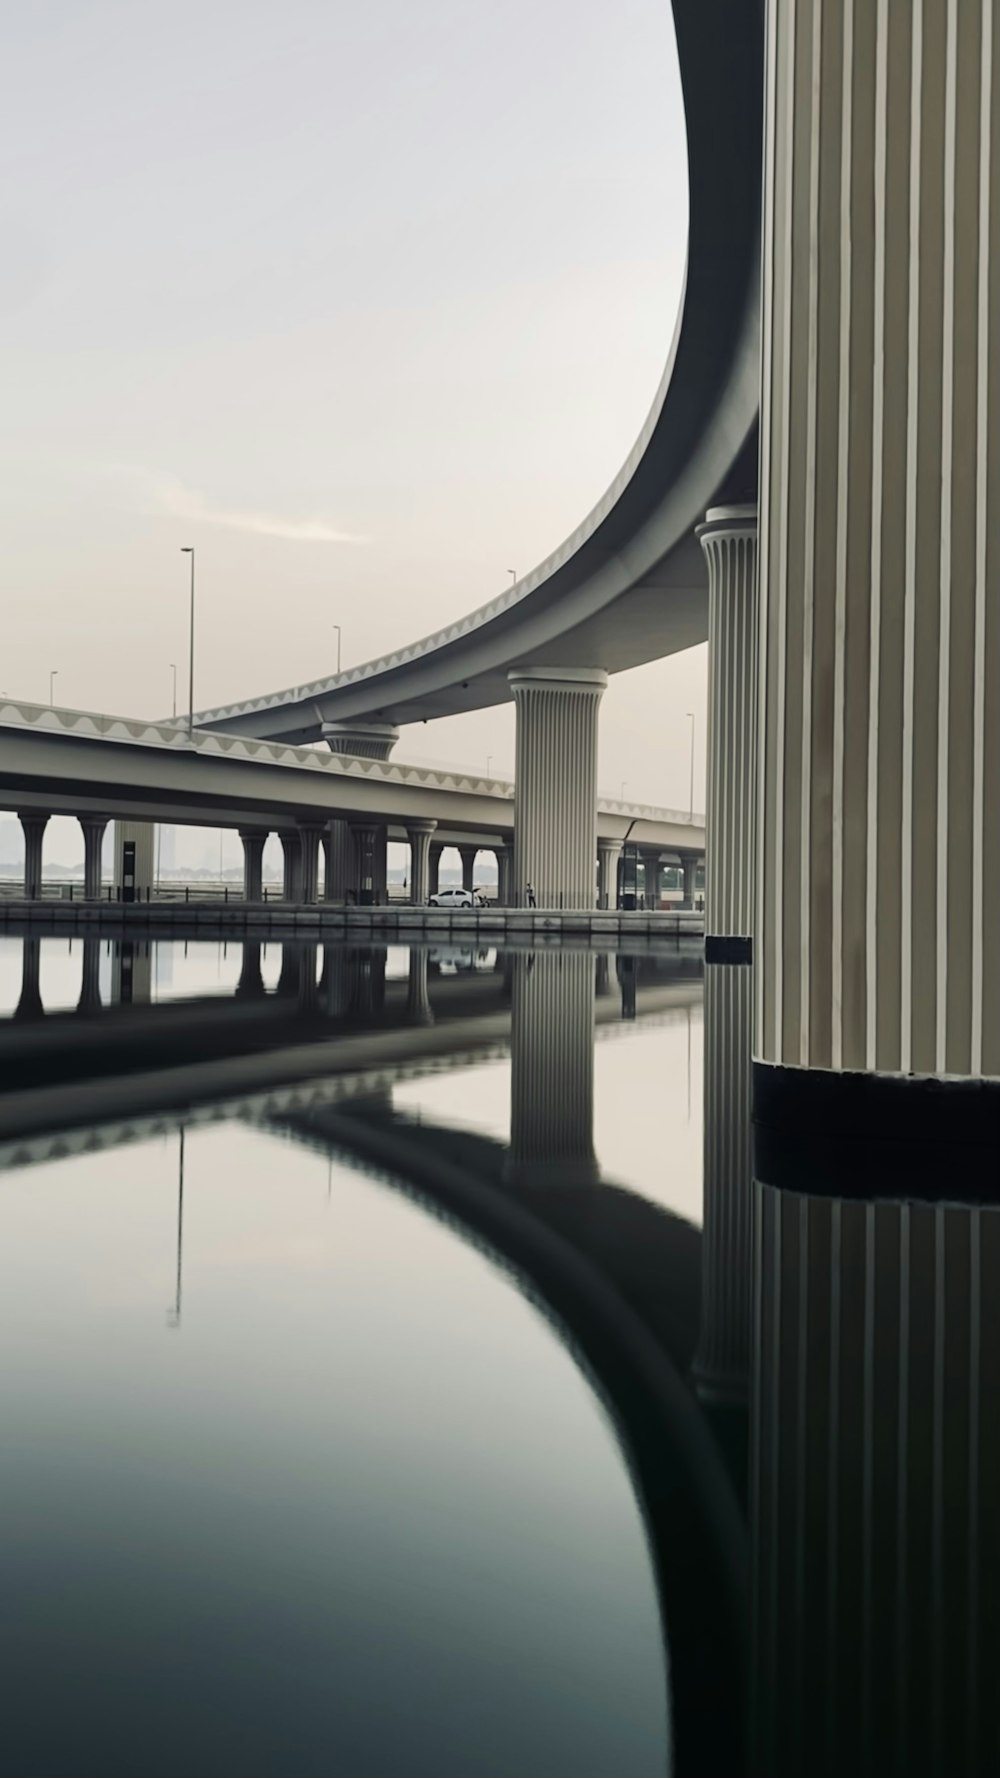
(251, 983)
(94, 827)
(33, 827)
(555, 794)
(291, 848)
(419, 835)
(90, 979)
(310, 836)
(504, 856)
(468, 855)
(135, 859)
(609, 853)
(651, 871)
(418, 1006)
(729, 540)
(369, 851)
(689, 871)
(29, 1005)
(341, 868)
(552, 1069)
(254, 840)
(434, 867)
(879, 944)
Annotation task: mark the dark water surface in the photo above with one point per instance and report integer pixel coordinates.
(296, 1477)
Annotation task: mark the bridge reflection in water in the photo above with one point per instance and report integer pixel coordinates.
(804, 1393)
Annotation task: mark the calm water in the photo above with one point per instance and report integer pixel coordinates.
(297, 1475)
(402, 1373)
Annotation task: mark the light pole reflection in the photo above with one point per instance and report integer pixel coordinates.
(174, 1312)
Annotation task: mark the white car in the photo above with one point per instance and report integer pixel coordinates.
(457, 898)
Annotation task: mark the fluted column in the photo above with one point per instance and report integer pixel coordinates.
(362, 740)
(552, 1069)
(310, 835)
(419, 835)
(418, 1006)
(468, 855)
(651, 870)
(341, 862)
(365, 836)
(689, 874)
(504, 856)
(609, 853)
(29, 1005)
(254, 840)
(434, 867)
(875, 1469)
(729, 540)
(880, 540)
(721, 1367)
(291, 849)
(94, 827)
(555, 793)
(90, 977)
(33, 827)
(251, 983)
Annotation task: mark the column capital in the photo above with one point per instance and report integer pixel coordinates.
(423, 825)
(364, 740)
(567, 679)
(724, 522)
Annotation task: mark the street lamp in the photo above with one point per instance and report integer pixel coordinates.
(53, 676)
(337, 628)
(513, 575)
(690, 714)
(173, 669)
(187, 549)
(489, 764)
(621, 797)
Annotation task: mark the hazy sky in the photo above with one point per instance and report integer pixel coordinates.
(366, 302)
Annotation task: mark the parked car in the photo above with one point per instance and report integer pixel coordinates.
(458, 898)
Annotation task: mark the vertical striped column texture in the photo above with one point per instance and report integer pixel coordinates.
(875, 1466)
(729, 540)
(309, 863)
(419, 835)
(555, 787)
(254, 840)
(291, 863)
(880, 537)
(552, 1068)
(722, 1361)
(341, 862)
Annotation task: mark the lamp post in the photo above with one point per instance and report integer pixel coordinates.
(513, 576)
(621, 797)
(337, 628)
(173, 669)
(690, 714)
(187, 549)
(53, 676)
(489, 764)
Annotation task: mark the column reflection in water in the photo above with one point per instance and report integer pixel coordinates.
(90, 979)
(552, 1069)
(251, 983)
(418, 1006)
(131, 972)
(876, 1472)
(722, 1363)
(29, 1005)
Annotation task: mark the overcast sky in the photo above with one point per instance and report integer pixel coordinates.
(366, 302)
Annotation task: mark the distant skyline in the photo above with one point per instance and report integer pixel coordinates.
(366, 304)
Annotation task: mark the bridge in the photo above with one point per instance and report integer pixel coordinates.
(103, 768)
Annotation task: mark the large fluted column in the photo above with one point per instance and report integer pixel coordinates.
(135, 859)
(468, 855)
(555, 793)
(876, 1466)
(880, 543)
(434, 867)
(94, 828)
(365, 836)
(552, 1069)
(363, 740)
(341, 863)
(419, 835)
(291, 848)
(310, 835)
(33, 827)
(254, 840)
(609, 853)
(729, 540)
(504, 856)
